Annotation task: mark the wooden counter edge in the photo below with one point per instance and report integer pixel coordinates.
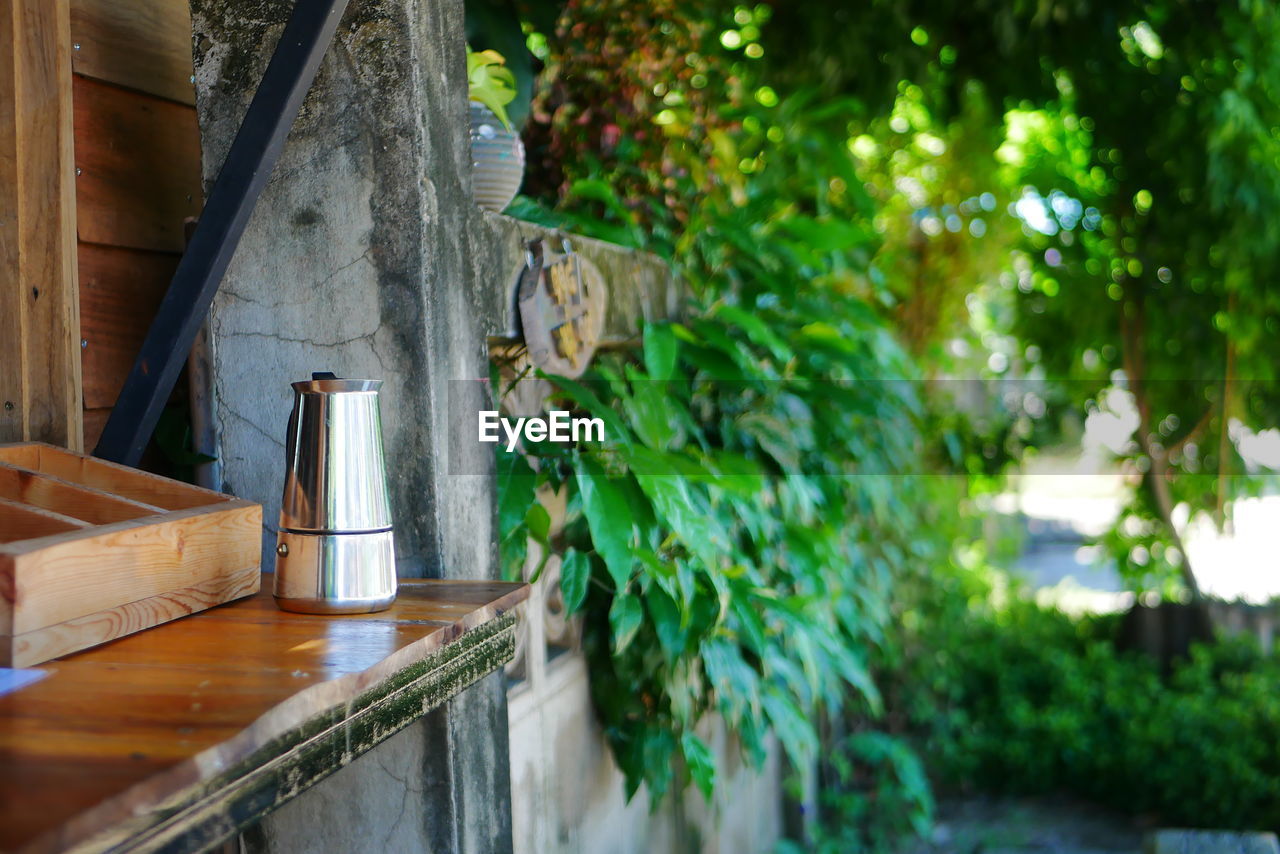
(212, 795)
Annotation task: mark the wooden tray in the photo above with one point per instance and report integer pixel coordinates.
(91, 551)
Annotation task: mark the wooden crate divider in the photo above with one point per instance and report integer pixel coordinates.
(91, 551)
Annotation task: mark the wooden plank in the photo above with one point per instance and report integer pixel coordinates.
(220, 720)
(120, 290)
(79, 502)
(23, 454)
(73, 575)
(24, 522)
(139, 44)
(141, 486)
(159, 550)
(13, 375)
(49, 781)
(139, 162)
(94, 422)
(39, 320)
(241, 179)
(40, 645)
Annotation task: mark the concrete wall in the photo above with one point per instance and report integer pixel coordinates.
(357, 260)
(568, 794)
(366, 257)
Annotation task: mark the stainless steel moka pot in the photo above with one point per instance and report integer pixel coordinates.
(335, 553)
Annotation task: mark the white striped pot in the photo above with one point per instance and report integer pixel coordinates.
(497, 160)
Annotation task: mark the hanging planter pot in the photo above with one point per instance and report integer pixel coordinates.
(497, 159)
(497, 155)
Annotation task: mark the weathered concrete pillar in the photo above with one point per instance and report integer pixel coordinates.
(358, 261)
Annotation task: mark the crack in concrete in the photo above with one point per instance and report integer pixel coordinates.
(286, 175)
(373, 348)
(235, 294)
(405, 790)
(364, 256)
(271, 336)
(232, 412)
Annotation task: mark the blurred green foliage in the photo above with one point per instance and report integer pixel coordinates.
(1073, 195)
(1139, 145)
(874, 793)
(733, 542)
(634, 98)
(732, 545)
(1017, 698)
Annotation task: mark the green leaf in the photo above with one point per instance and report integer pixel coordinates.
(736, 683)
(593, 189)
(666, 617)
(757, 330)
(701, 762)
(660, 351)
(490, 82)
(608, 519)
(698, 530)
(749, 625)
(531, 210)
(625, 616)
(512, 550)
(791, 726)
(575, 573)
(539, 522)
(714, 363)
(659, 744)
(687, 584)
(735, 473)
(653, 414)
(823, 333)
(516, 484)
(615, 428)
(826, 234)
(716, 335)
(775, 437)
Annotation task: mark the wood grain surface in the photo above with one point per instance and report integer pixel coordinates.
(95, 421)
(138, 157)
(24, 522)
(69, 499)
(123, 481)
(65, 576)
(175, 737)
(139, 167)
(39, 314)
(120, 290)
(91, 551)
(40, 645)
(139, 44)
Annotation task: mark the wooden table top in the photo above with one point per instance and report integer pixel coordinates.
(176, 737)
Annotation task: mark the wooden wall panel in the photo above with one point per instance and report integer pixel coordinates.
(139, 167)
(13, 387)
(120, 290)
(39, 332)
(95, 421)
(140, 44)
(138, 152)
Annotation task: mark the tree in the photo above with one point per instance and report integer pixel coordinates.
(1141, 150)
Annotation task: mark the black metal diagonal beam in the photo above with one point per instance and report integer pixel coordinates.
(253, 154)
